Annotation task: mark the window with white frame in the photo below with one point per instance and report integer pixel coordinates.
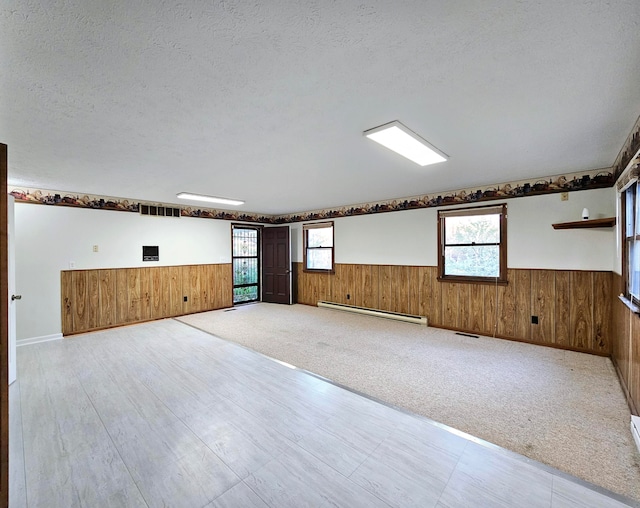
(318, 247)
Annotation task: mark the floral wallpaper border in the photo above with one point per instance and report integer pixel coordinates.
(583, 180)
(562, 183)
(629, 150)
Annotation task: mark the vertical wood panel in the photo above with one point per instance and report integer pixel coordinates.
(414, 290)
(349, 276)
(425, 291)
(174, 275)
(158, 296)
(107, 291)
(542, 305)
(93, 293)
(357, 298)
(507, 322)
(437, 289)
(371, 283)
(523, 306)
(66, 287)
(563, 309)
(401, 289)
(476, 309)
(213, 282)
(81, 300)
(581, 309)
(324, 287)
(634, 361)
(450, 308)
(620, 331)
(133, 295)
(336, 285)
(204, 272)
(191, 289)
(493, 296)
(122, 300)
(464, 318)
(386, 290)
(227, 284)
(145, 293)
(602, 299)
(224, 285)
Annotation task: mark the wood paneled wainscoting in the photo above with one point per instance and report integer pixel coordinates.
(573, 307)
(96, 299)
(626, 346)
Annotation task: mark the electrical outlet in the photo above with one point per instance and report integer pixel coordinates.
(564, 196)
(348, 296)
(534, 320)
(95, 248)
(72, 264)
(185, 298)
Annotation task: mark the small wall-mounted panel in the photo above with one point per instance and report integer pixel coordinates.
(150, 253)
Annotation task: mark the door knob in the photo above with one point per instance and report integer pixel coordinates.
(16, 297)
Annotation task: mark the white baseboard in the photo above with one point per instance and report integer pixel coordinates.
(36, 340)
(635, 429)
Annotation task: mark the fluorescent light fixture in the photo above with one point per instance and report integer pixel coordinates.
(407, 143)
(209, 199)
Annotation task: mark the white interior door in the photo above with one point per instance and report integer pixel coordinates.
(11, 258)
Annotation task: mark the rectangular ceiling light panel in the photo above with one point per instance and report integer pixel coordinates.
(209, 199)
(407, 143)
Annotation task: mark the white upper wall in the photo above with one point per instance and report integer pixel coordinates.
(410, 237)
(49, 238)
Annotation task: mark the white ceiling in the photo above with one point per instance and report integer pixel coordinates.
(266, 101)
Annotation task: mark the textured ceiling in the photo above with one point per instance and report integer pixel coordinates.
(267, 101)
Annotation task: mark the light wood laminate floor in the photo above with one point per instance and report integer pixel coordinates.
(161, 414)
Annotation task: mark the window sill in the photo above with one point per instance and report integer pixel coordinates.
(309, 270)
(474, 280)
(632, 306)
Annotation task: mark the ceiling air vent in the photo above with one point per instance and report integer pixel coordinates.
(159, 210)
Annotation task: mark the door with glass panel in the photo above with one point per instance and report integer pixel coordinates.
(246, 264)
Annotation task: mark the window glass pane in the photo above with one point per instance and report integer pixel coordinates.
(320, 237)
(472, 261)
(629, 198)
(319, 259)
(475, 228)
(247, 294)
(245, 242)
(634, 269)
(245, 271)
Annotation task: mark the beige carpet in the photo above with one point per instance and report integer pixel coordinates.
(562, 408)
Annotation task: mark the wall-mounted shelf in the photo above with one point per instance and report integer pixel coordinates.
(609, 222)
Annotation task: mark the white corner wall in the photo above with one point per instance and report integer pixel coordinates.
(410, 237)
(49, 238)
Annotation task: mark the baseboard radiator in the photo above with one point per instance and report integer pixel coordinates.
(409, 318)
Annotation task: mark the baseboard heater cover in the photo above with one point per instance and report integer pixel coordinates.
(409, 318)
(635, 430)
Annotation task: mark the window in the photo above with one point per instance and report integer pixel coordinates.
(318, 247)
(473, 244)
(631, 232)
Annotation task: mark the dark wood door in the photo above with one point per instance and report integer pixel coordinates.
(276, 265)
(4, 334)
